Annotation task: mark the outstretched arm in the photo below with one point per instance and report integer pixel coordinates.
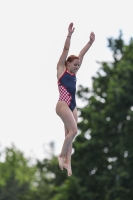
(64, 54)
(87, 46)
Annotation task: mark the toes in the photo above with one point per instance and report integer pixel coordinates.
(61, 162)
(68, 168)
(65, 166)
(69, 173)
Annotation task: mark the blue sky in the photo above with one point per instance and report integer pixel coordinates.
(31, 40)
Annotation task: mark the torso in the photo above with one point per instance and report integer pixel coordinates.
(67, 88)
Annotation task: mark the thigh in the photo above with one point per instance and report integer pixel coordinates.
(75, 115)
(66, 115)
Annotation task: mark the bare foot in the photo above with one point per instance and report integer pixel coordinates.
(61, 162)
(68, 168)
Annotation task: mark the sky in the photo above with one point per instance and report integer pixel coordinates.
(32, 36)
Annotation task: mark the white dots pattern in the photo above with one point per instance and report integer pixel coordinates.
(64, 95)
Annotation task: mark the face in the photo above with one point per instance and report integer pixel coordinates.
(73, 66)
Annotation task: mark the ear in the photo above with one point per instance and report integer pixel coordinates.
(68, 63)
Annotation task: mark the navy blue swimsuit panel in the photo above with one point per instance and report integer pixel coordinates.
(67, 89)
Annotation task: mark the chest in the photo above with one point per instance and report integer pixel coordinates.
(68, 81)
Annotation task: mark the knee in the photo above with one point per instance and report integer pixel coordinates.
(74, 131)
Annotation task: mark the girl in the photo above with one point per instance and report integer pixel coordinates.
(66, 105)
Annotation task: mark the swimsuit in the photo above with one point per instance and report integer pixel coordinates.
(67, 89)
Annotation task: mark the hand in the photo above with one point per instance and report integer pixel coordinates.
(92, 37)
(70, 28)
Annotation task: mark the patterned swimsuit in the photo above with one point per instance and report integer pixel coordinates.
(67, 89)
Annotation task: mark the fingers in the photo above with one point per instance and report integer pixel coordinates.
(71, 28)
(71, 24)
(92, 36)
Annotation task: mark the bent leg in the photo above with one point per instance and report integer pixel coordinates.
(67, 117)
(68, 156)
(67, 163)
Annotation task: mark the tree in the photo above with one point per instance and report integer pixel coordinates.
(17, 175)
(16, 163)
(13, 190)
(50, 177)
(103, 157)
(22, 179)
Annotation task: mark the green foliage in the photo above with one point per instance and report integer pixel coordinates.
(103, 158)
(106, 140)
(17, 175)
(15, 163)
(13, 190)
(51, 178)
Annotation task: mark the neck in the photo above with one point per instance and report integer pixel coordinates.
(69, 72)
